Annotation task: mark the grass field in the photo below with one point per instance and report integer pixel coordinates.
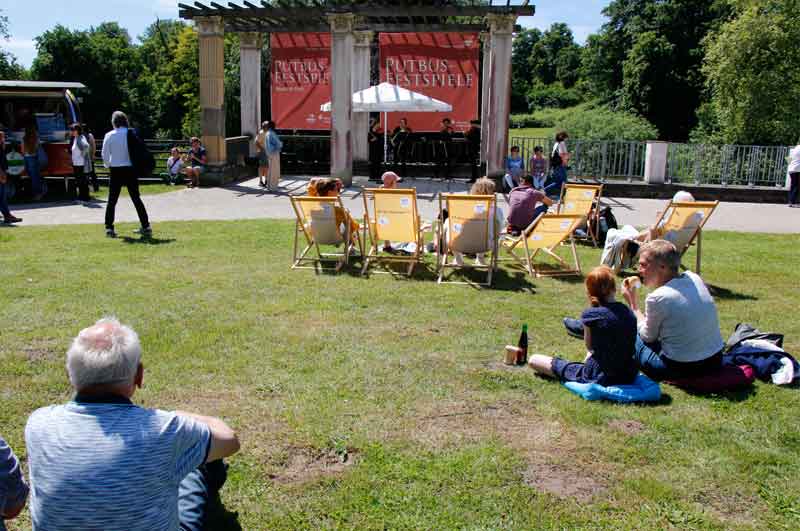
(532, 132)
(382, 403)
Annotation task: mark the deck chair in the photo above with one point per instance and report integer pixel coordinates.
(682, 223)
(583, 199)
(467, 229)
(546, 234)
(316, 221)
(393, 216)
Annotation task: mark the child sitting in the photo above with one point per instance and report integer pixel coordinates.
(538, 168)
(609, 334)
(390, 180)
(174, 167)
(330, 188)
(515, 167)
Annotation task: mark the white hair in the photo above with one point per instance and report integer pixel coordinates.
(107, 352)
(683, 196)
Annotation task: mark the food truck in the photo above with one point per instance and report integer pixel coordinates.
(48, 106)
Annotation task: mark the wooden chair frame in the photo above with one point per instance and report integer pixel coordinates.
(528, 235)
(302, 227)
(592, 213)
(673, 211)
(449, 200)
(372, 226)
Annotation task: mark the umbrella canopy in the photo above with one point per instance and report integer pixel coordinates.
(391, 98)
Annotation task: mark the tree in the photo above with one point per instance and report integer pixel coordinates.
(555, 56)
(648, 57)
(9, 67)
(752, 76)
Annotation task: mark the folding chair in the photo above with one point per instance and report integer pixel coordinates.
(468, 229)
(393, 216)
(682, 223)
(545, 234)
(316, 221)
(583, 199)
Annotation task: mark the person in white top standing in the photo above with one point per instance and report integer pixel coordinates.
(117, 159)
(679, 333)
(794, 176)
(80, 153)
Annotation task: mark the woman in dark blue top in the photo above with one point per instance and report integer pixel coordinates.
(610, 336)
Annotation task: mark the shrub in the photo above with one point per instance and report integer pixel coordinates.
(601, 123)
(553, 95)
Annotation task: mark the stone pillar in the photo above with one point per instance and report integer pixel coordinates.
(250, 81)
(485, 90)
(496, 129)
(362, 41)
(341, 96)
(211, 31)
(655, 162)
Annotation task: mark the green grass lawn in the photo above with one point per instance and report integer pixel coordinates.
(382, 403)
(144, 189)
(532, 132)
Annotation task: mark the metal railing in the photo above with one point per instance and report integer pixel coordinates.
(727, 164)
(597, 159)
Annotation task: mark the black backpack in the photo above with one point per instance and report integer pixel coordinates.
(142, 160)
(555, 159)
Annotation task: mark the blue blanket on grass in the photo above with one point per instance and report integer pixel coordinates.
(643, 389)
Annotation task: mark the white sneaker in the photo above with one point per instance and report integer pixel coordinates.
(458, 260)
(479, 262)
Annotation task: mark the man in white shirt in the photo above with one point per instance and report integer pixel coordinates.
(679, 333)
(794, 176)
(116, 157)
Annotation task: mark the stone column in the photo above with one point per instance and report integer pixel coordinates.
(250, 81)
(341, 96)
(496, 130)
(211, 31)
(360, 80)
(485, 90)
(655, 162)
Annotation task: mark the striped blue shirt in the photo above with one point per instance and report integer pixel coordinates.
(13, 489)
(107, 464)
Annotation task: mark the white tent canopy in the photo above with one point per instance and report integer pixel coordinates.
(391, 98)
(388, 98)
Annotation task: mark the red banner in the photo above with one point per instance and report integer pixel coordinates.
(300, 80)
(444, 66)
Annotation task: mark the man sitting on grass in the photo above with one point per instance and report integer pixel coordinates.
(102, 462)
(679, 333)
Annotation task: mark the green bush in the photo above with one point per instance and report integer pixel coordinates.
(523, 121)
(601, 123)
(553, 95)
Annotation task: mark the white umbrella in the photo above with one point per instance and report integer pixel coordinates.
(388, 98)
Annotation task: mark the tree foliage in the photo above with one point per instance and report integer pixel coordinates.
(9, 67)
(752, 75)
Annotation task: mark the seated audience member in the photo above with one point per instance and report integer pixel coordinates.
(522, 205)
(101, 462)
(389, 180)
(8, 217)
(679, 329)
(196, 164)
(538, 168)
(610, 336)
(515, 167)
(622, 245)
(330, 188)
(174, 166)
(13, 490)
(483, 186)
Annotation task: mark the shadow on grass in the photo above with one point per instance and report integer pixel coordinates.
(221, 518)
(726, 294)
(736, 395)
(147, 241)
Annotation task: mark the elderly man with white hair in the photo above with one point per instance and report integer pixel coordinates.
(100, 462)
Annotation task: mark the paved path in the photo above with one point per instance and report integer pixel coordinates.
(245, 200)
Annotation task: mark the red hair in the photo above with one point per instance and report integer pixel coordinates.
(600, 285)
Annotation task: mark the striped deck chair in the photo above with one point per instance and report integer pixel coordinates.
(583, 199)
(682, 224)
(546, 234)
(316, 221)
(467, 229)
(393, 216)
